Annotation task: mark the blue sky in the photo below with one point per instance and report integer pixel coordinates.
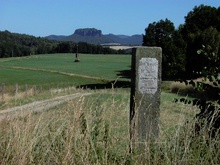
(63, 17)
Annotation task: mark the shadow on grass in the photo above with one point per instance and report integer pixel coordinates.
(108, 85)
(209, 93)
(125, 74)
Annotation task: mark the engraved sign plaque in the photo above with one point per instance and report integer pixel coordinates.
(148, 73)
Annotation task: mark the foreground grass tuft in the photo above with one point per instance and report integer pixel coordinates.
(95, 130)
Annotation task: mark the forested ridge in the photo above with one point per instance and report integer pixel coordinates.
(17, 45)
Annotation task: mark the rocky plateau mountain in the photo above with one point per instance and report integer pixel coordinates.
(95, 36)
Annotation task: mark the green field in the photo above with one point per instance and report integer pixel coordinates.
(61, 68)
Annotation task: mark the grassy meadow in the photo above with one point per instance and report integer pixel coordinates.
(94, 66)
(93, 129)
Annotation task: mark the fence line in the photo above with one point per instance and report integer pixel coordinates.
(15, 92)
(26, 90)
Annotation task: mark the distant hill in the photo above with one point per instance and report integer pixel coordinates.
(94, 36)
(126, 40)
(18, 45)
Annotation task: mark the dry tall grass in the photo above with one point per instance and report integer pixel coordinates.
(9, 98)
(95, 130)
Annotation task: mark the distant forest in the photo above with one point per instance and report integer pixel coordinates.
(17, 45)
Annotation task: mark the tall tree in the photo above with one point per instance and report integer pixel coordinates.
(164, 35)
(201, 28)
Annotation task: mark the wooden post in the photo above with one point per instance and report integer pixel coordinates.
(41, 89)
(16, 89)
(145, 96)
(3, 90)
(35, 89)
(26, 89)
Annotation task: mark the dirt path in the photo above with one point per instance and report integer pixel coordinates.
(38, 106)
